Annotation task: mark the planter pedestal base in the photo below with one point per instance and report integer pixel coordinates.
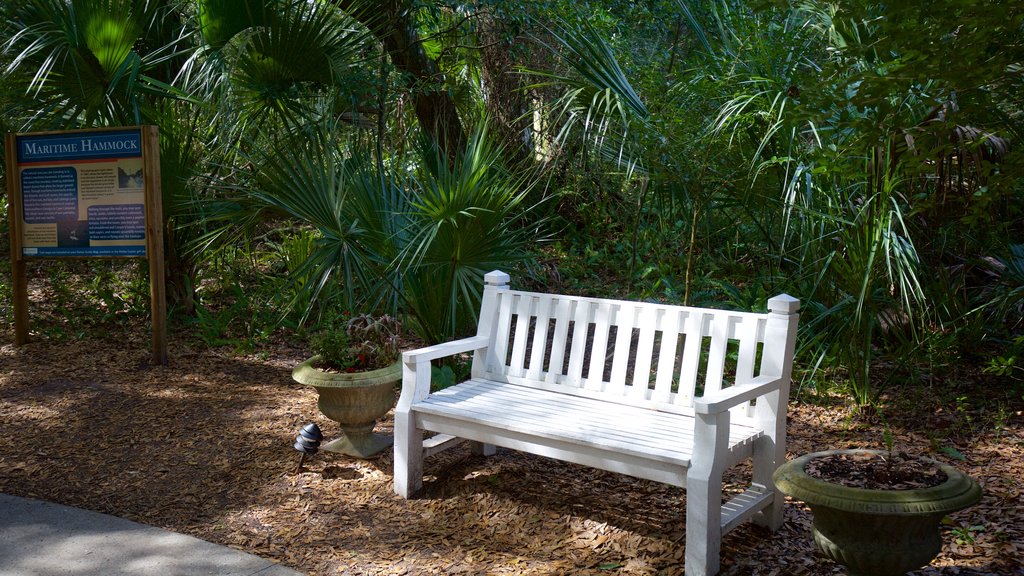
(360, 442)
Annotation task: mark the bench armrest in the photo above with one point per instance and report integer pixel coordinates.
(718, 402)
(446, 349)
(416, 367)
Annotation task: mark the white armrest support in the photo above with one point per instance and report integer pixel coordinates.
(718, 402)
(446, 349)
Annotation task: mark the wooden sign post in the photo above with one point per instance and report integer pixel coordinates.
(87, 194)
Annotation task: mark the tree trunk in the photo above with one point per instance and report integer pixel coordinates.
(506, 102)
(393, 24)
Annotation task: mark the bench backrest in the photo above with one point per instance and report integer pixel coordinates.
(650, 354)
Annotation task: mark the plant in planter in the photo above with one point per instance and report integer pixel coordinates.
(354, 370)
(877, 511)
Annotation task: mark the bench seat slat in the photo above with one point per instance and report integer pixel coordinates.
(641, 432)
(551, 415)
(603, 458)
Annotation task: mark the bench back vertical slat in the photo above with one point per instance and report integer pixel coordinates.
(581, 322)
(624, 322)
(714, 370)
(647, 329)
(523, 307)
(693, 340)
(747, 333)
(604, 315)
(559, 338)
(670, 324)
(544, 308)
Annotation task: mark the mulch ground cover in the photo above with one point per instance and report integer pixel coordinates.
(203, 446)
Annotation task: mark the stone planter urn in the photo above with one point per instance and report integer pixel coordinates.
(877, 532)
(355, 401)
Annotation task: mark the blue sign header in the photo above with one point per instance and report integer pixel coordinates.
(68, 147)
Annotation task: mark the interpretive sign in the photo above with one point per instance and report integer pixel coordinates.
(86, 194)
(82, 194)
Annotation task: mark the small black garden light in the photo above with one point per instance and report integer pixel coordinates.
(307, 442)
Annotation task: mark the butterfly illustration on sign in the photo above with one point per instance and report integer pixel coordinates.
(129, 179)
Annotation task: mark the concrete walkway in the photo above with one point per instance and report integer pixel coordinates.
(43, 539)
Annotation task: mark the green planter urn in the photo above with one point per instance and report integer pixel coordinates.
(877, 532)
(355, 401)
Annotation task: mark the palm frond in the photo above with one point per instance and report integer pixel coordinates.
(273, 64)
(598, 98)
(81, 62)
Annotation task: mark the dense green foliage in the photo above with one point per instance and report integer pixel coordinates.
(381, 156)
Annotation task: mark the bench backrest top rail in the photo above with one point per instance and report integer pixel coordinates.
(639, 352)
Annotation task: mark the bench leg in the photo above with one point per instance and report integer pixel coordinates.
(481, 449)
(704, 495)
(408, 455)
(766, 459)
(770, 453)
(703, 525)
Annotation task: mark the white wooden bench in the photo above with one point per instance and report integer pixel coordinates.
(667, 393)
